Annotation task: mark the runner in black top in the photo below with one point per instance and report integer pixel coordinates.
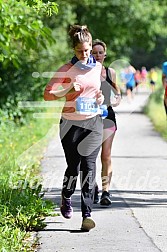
(108, 85)
(107, 88)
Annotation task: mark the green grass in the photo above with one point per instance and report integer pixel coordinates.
(156, 112)
(22, 207)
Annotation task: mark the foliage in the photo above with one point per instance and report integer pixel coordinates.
(23, 34)
(124, 25)
(28, 37)
(22, 210)
(22, 30)
(11, 112)
(25, 207)
(42, 7)
(56, 54)
(22, 206)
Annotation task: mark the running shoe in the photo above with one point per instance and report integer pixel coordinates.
(66, 208)
(105, 199)
(96, 195)
(87, 224)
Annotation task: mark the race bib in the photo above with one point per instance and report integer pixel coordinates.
(86, 105)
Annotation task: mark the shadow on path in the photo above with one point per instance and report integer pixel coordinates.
(121, 199)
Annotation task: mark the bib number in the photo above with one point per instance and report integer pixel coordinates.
(86, 105)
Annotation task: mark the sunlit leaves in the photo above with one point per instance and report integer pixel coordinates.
(22, 28)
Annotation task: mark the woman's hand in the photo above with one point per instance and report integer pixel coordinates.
(117, 100)
(74, 87)
(99, 97)
(77, 86)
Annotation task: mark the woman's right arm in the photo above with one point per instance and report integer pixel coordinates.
(59, 85)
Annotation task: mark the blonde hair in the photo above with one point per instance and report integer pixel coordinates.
(79, 34)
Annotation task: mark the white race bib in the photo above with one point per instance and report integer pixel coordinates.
(86, 105)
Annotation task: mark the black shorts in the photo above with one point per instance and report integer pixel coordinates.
(110, 121)
(129, 88)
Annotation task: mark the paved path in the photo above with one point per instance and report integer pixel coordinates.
(137, 218)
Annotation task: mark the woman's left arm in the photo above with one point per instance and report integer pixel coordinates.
(115, 88)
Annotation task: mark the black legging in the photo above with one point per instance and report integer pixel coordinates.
(81, 141)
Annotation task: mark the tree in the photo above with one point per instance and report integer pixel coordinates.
(124, 25)
(22, 29)
(22, 34)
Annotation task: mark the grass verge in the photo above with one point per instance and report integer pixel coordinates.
(22, 207)
(156, 112)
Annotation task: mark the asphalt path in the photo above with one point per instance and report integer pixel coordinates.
(137, 218)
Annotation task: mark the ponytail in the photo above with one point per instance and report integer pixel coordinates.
(80, 34)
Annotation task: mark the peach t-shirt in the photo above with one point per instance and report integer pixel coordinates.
(90, 85)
